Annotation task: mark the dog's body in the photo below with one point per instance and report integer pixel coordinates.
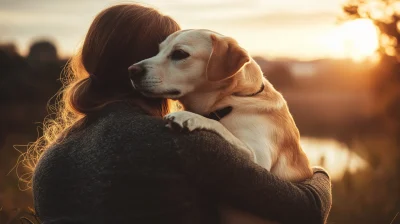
(206, 72)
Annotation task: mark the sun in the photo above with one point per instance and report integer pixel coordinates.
(357, 39)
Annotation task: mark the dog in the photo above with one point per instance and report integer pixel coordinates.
(213, 77)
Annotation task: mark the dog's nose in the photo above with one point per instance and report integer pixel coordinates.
(136, 72)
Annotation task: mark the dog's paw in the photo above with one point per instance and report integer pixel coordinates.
(184, 120)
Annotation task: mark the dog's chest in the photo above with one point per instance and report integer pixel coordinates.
(256, 132)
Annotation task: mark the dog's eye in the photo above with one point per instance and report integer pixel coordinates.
(179, 55)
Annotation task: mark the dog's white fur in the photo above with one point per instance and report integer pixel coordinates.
(219, 73)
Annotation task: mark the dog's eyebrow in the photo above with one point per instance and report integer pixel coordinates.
(170, 37)
(178, 45)
(168, 40)
(162, 44)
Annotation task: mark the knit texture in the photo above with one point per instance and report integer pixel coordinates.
(123, 166)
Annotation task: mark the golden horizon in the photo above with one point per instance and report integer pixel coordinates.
(304, 30)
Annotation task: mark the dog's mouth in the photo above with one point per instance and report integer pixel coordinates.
(150, 91)
(172, 94)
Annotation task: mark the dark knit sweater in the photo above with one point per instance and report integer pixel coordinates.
(123, 166)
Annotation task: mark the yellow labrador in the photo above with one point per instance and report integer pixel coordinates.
(211, 75)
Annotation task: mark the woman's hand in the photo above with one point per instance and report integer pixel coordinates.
(218, 167)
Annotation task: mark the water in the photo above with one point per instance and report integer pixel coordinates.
(334, 156)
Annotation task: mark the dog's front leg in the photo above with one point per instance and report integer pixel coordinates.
(191, 121)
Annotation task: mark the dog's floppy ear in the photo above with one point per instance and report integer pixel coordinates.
(226, 58)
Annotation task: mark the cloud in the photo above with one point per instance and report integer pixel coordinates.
(252, 21)
(241, 12)
(285, 19)
(245, 20)
(11, 18)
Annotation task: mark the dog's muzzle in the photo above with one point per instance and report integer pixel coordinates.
(136, 73)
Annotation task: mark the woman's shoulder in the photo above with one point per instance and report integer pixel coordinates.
(126, 119)
(128, 132)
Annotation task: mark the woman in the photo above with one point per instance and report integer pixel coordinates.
(108, 158)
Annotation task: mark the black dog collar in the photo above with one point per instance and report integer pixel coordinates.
(253, 94)
(219, 114)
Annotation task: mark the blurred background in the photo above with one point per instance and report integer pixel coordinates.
(337, 63)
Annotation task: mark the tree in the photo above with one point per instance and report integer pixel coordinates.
(43, 51)
(380, 202)
(386, 16)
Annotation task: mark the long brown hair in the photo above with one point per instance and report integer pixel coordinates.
(98, 74)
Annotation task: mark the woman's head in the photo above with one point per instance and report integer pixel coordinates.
(98, 74)
(118, 37)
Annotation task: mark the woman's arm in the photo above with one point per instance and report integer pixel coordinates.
(218, 167)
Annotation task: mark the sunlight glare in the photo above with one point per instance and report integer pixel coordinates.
(357, 39)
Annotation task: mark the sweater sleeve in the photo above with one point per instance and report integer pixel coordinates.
(216, 166)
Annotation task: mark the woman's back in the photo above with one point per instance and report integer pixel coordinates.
(119, 166)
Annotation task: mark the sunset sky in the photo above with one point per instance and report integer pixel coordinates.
(304, 29)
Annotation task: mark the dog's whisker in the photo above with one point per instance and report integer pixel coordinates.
(145, 81)
(150, 83)
(153, 80)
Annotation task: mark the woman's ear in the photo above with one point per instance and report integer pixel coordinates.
(226, 58)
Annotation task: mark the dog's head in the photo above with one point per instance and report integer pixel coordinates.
(196, 64)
